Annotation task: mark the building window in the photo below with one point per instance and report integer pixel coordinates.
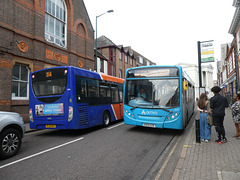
(102, 65)
(120, 55)
(126, 59)
(20, 82)
(112, 54)
(148, 63)
(140, 59)
(112, 70)
(120, 73)
(55, 22)
(131, 61)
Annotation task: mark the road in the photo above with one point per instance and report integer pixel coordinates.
(117, 152)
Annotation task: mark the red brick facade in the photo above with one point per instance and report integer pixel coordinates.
(22, 41)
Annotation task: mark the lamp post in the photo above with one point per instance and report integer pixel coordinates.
(96, 45)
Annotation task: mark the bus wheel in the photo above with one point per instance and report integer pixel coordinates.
(106, 119)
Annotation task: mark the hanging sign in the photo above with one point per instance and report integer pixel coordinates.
(207, 51)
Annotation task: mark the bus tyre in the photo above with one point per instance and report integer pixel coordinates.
(106, 119)
(10, 141)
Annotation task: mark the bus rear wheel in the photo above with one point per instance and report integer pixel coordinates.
(106, 119)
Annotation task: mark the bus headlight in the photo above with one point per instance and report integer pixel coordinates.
(70, 113)
(172, 116)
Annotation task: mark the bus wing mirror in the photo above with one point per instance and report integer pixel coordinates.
(185, 85)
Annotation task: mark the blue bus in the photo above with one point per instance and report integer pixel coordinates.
(158, 97)
(68, 97)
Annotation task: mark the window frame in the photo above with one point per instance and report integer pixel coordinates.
(19, 82)
(61, 21)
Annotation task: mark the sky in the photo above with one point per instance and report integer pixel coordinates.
(164, 31)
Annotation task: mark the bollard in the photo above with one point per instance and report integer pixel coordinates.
(197, 123)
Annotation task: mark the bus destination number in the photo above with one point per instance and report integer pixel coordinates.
(50, 126)
(49, 74)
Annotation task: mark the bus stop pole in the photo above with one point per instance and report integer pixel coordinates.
(197, 124)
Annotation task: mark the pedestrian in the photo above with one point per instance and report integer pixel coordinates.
(218, 103)
(205, 128)
(236, 114)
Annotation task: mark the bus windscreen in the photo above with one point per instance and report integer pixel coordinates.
(49, 82)
(156, 93)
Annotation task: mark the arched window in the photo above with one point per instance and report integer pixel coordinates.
(55, 22)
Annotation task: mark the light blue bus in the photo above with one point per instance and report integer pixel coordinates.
(158, 97)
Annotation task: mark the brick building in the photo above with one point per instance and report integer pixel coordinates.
(36, 34)
(119, 58)
(229, 65)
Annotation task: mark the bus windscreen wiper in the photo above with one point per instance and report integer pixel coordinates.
(134, 107)
(164, 109)
(153, 108)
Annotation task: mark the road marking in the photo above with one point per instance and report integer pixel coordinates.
(115, 126)
(42, 152)
(168, 158)
(219, 174)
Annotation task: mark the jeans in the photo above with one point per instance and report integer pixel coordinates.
(205, 128)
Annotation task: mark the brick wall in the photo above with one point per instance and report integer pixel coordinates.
(24, 21)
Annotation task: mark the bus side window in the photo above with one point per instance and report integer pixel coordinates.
(105, 94)
(92, 88)
(81, 89)
(93, 92)
(115, 97)
(120, 90)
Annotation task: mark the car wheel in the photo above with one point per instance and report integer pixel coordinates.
(106, 119)
(10, 141)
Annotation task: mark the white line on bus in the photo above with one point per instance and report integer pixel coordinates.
(115, 126)
(42, 152)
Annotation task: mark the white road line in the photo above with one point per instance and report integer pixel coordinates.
(168, 158)
(42, 152)
(115, 126)
(219, 174)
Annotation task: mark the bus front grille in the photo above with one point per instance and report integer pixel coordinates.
(83, 114)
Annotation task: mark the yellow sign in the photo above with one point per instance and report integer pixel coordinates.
(207, 52)
(185, 85)
(50, 126)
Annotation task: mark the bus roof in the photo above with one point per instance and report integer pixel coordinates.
(90, 74)
(184, 74)
(112, 78)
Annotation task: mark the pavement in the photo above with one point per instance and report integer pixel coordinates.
(207, 161)
(210, 161)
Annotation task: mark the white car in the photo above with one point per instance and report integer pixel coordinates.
(12, 130)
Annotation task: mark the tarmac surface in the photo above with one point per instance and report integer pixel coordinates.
(207, 161)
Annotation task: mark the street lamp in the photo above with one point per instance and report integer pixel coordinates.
(109, 11)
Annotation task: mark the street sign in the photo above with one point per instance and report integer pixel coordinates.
(207, 51)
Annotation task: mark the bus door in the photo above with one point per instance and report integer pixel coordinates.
(120, 91)
(117, 107)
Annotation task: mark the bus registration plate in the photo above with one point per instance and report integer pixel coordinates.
(149, 125)
(50, 126)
